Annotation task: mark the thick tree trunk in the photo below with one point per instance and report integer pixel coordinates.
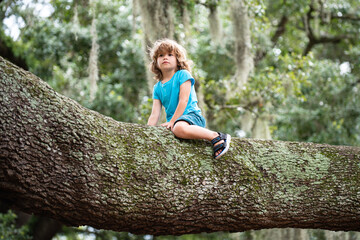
(61, 160)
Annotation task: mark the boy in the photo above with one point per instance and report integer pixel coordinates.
(175, 91)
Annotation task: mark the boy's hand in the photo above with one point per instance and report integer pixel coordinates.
(168, 125)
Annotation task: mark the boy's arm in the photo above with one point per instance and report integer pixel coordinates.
(155, 113)
(184, 94)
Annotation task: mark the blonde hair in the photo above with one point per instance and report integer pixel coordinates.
(167, 46)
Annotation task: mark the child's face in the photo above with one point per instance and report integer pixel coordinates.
(167, 61)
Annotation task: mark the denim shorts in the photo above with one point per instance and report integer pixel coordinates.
(193, 119)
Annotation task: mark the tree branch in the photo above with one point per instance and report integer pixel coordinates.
(314, 40)
(280, 30)
(281, 27)
(61, 160)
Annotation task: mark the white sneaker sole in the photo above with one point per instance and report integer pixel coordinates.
(228, 140)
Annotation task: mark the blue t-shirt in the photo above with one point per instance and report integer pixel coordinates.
(168, 94)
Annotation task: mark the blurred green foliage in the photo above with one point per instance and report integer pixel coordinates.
(329, 111)
(8, 231)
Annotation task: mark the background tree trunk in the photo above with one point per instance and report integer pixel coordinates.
(215, 25)
(258, 125)
(157, 18)
(93, 68)
(242, 36)
(60, 160)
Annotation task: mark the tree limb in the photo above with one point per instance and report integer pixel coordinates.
(280, 30)
(61, 160)
(281, 27)
(314, 40)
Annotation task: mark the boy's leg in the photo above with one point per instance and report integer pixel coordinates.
(183, 129)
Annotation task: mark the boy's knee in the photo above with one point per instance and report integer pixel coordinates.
(180, 129)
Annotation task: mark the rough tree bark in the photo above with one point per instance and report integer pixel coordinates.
(61, 160)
